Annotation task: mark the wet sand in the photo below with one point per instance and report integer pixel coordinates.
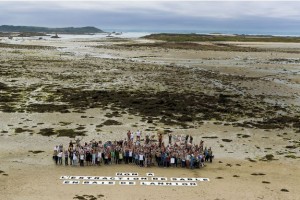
(245, 105)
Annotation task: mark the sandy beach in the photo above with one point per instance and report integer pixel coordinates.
(243, 104)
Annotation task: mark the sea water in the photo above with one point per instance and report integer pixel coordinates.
(137, 34)
(98, 36)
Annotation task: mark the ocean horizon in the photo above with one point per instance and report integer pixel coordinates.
(199, 31)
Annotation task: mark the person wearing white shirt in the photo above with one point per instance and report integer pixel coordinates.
(74, 159)
(99, 156)
(141, 159)
(59, 155)
(130, 156)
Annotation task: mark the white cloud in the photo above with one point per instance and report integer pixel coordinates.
(210, 9)
(166, 14)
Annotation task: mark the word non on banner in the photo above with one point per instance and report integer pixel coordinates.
(126, 174)
(189, 179)
(126, 183)
(169, 183)
(98, 182)
(149, 174)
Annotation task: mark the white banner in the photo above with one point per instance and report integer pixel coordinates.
(131, 180)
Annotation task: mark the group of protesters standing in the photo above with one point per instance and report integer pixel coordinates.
(179, 152)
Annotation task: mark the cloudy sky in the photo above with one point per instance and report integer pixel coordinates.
(199, 16)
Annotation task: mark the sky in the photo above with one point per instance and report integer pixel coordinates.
(167, 16)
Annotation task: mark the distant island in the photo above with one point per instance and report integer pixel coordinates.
(46, 30)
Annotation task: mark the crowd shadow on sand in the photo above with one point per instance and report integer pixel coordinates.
(88, 197)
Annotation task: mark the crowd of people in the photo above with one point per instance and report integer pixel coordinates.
(180, 151)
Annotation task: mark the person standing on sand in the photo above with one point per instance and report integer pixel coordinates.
(126, 155)
(66, 154)
(128, 135)
(55, 156)
(130, 155)
(168, 159)
(192, 161)
(191, 139)
(136, 156)
(141, 159)
(182, 158)
(71, 144)
(71, 155)
(131, 137)
(206, 154)
(105, 156)
(162, 158)
(112, 156)
(160, 137)
(59, 156)
(93, 157)
(187, 159)
(86, 156)
(210, 154)
(121, 155)
(147, 140)
(201, 145)
(81, 159)
(99, 156)
(74, 158)
(146, 160)
(186, 139)
(170, 138)
(201, 160)
(117, 155)
(158, 157)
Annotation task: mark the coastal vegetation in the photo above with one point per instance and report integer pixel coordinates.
(220, 38)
